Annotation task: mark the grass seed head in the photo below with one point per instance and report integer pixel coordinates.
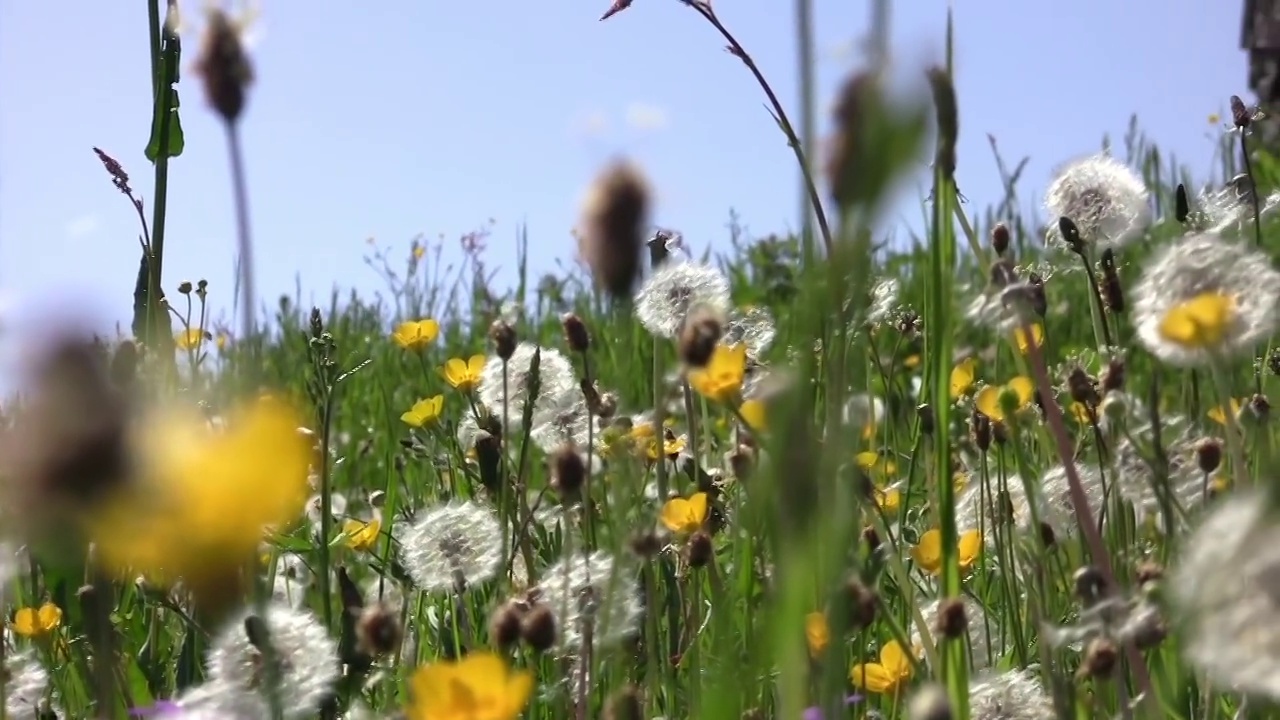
(538, 628)
(1000, 238)
(1208, 454)
(505, 624)
(699, 336)
(615, 219)
(504, 338)
(224, 67)
(378, 630)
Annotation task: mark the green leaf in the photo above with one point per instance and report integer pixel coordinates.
(166, 125)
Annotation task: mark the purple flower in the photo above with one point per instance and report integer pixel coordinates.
(815, 712)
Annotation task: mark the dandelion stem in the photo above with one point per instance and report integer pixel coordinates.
(239, 186)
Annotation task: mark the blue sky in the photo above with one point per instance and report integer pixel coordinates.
(395, 118)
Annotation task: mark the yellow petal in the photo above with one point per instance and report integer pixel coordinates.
(753, 412)
(475, 365)
(675, 514)
(24, 622)
(962, 377)
(455, 372)
(872, 677)
(988, 402)
(867, 460)
(970, 544)
(1200, 322)
(1024, 388)
(816, 632)
(894, 660)
(1024, 342)
(49, 616)
(889, 500)
(428, 330)
(697, 508)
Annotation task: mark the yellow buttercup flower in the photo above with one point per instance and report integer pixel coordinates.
(479, 686)
(876, 465)
(911, 362)
(1025, 341)
(424, 412)
(886, 677)
(203, 496)
(1220, 414)
(753, 412)
(361, 536)
(190, 339)
(463, 375)
(816, 633)
(683, 516)
(1199, 323)
(416, 334)
(721, 379)
(962, 376)
(645, 439)
(888, 500)
(1081, 413)
(990, 400)
(34, 622)
(928, 551)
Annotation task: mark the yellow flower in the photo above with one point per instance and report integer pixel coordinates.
(480, 686)
(462, 374)
(989, 398)
(886, 677)
(962, 376)
(683, 516)
(1199, 323)
(753, 412)
(222, 341)
(361, 536)
(721, 379)
(1214, 118)
(816, 633)
(911, 362)
(1220, 414)
(424, 411)
(1081, 413)
(646, 441)
(204, 497)
(191, 338)
(34, 622)
(416, 334)
(928, 552)
(888, 500)
(873, 464)
(1024, 342)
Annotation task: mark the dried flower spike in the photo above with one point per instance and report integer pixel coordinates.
(615, 217)
(224, 66)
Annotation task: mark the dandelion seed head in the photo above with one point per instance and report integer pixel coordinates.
(307, 658)
(25, 687)
(563, 419)
(1225, 592)
(1010, 695)
(452, 545)
(884, 300)
(674, 288)
(591, 589)
(213, 700)
(1195, 266)
(555, 376)
(980, 650)
(753, 327)
(1106, 200)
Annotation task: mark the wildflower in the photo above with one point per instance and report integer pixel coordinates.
(676, 287)
(753, 412)
(1000, 401)
(1080, 413)
(646, 440)
(875, 464)
(1105, 199)
(816, 633)
(1026, 340)
(204, 497)
(962, 376)
(721, 379)
(886, 677)
(306, 657)
(361, 536)
(424, 412)
(592, 591)
(480, 686)
(32, 622)
(191, 339)
(1222, 415)
(505, 387)
(1204, 299)
(927, 552)
(463, 375)
(683, 516)
(452, 546)
(888, 500)
(416, 334)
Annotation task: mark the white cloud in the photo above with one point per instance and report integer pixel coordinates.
(82, 226)
(643, 116)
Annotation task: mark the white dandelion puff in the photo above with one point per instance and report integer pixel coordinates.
(1105, 199)
(563, 419)
(291, 581)
(591, 591)
(555, 376)
(666, 297)
(978, 624)
(452, 546)
(214, 700)
(1190, 270)
(306, 657)
(1010, 695)
(884, 300)
(25, 688)
(753, 327)
(1225, 593)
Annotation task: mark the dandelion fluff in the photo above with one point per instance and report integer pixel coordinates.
(976, 617)
(563, 419)
(753, 327)
(307, 657)
(1106, 200)
(1010, 695)
(452, 546)
(1199, 265)
(555, 376)
(1225, 592)
(25, 687)
(667, 296)
(591, 591)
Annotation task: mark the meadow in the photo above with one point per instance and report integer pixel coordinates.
(1017, 468)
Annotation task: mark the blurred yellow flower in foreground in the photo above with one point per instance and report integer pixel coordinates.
(190, 339)
(1200, 323)
(1221, 414)
(886, 677)
(1025, 341)
(416, 334)
(683, 516)
(202, 498)
(34, 622)
(424, 412)
(989, 401)
(816, 633)
(753, 412)
(962, 376)
(463, 375)
(721, 379)
(480, 686)
(875, 464)
(360, 535)
(928, 551)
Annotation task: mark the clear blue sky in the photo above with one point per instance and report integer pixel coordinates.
(387, 119)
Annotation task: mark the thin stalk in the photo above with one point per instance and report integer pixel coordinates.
(244, 240)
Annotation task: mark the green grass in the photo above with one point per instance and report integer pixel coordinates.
(794, 529)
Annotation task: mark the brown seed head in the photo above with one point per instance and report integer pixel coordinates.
(952, 622)
(1182, 204)
(980, 428)
(741, 461)
(1100, 658)
(224, 66)
(1208, 454)
(1090, 585)
(1003, 273)
(505, 624)
(645, 544)
(1111, 287)
(701, 550)
(1259, 409)
(999, 433)
(863, 602)
(615, 219)
(568, 472)
(378, 630)
(624, 705)
(927, 419)
(538, 628)
(699, 336)
(575, 333)
(1113, 376)
(856, 101)
(1082, 387)
(504, 339)
(1000, 238)
(1148, 572)
(871, 538)
(1047, 536)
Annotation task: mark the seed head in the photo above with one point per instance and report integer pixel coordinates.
(952, 623)
(1100, 658)
(1110, 287)
(568, 472)
(504, 339)
(378, 630)
(1090, 585)
(224, 66)
(645, 544)
(575, 333)
(862, 604)
(1047, 536)
(615, 218)
(871, 538)
(538, 628)
(1082, 387)
(701, 550)
(928, 421)
(1000, 239)
(505, 624)
(624, 705)
(1113, 376)
(1148, 572)
(1208, 454)
(930, 703)
(699, 336)
(1182, 205)
(980, 428)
